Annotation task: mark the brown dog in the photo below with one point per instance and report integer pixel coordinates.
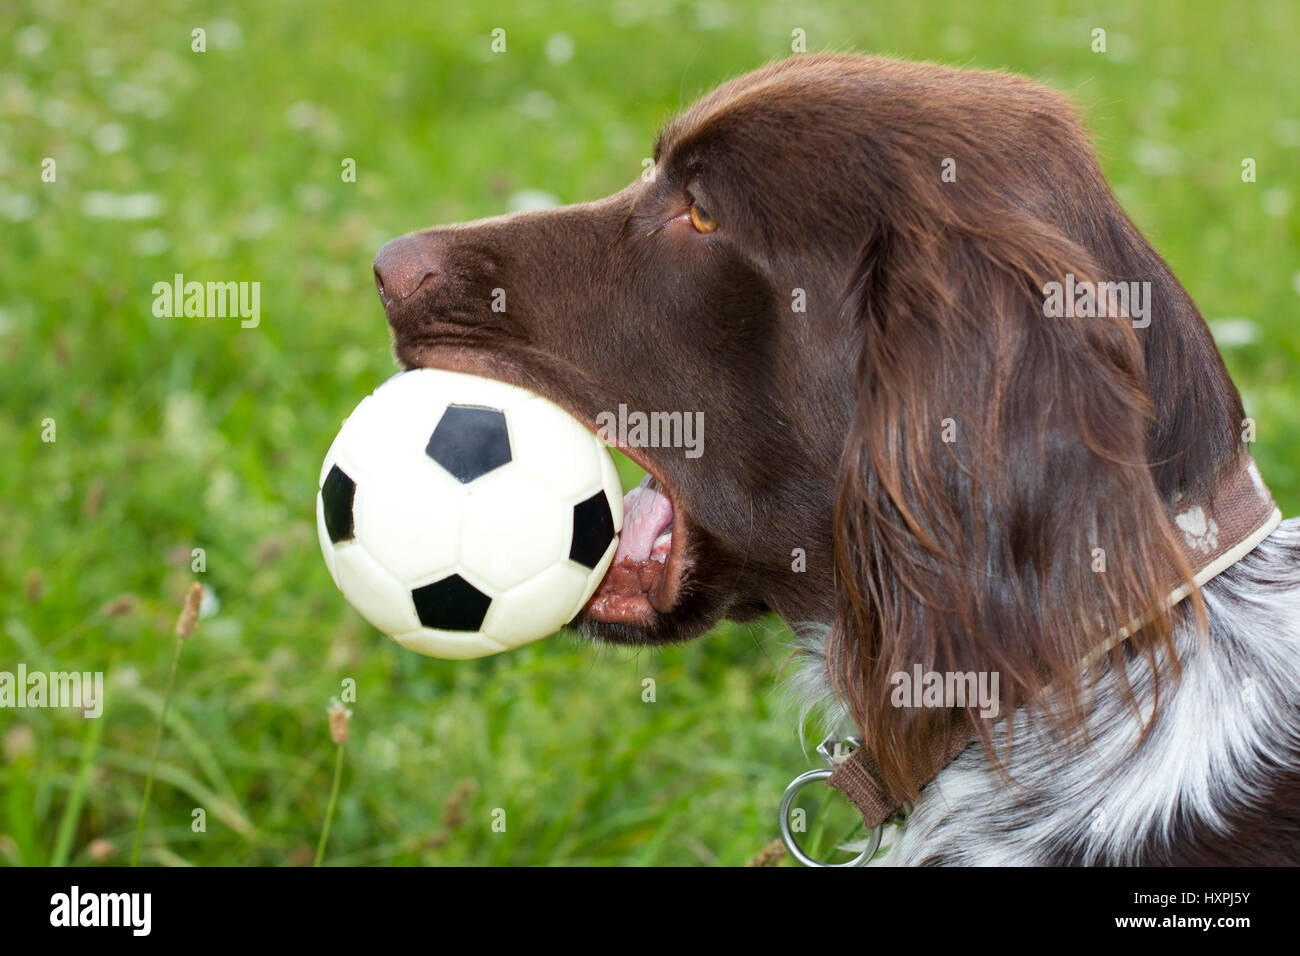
(841, 263)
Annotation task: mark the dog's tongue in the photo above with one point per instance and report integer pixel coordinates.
(643, 546)
(647, 524)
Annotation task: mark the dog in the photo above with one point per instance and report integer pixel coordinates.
(843, 264)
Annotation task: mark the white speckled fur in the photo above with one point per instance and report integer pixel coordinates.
(1213, 748)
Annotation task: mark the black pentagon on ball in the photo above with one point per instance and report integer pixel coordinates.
(452, 604)
(593, 530)
(470, 441)
(337, 495)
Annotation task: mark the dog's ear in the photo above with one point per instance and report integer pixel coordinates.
(995, 509)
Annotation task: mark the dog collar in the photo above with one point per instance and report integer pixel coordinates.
(1213, 535)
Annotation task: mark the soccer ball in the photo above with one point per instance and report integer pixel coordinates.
(463, 516)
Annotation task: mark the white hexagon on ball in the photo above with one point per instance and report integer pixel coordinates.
(562, 587)
(536, 445)
(377, 595)
(514, 528)
(463, 516)
(416, 513)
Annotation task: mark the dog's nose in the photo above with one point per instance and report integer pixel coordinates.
(403, 265)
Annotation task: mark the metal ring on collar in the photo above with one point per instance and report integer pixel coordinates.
(787, 837)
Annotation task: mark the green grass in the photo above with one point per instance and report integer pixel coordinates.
(174, 434)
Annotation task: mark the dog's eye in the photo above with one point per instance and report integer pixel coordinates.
(701, 219)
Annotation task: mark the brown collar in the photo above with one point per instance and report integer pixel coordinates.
(1213, 535)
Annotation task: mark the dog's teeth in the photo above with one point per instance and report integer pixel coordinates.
(662, 545)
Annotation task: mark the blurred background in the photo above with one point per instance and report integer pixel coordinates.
(175, 434)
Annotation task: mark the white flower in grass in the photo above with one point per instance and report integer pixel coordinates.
(17, 207)
(559, 48)
(1277, 202)
(32, 41)
(225, 34)
(528, 200)
(109, 138)
(153, 242)
(302, 115)
(1233, 332)
(99, 204)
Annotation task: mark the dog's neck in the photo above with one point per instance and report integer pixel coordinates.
(1215, 535)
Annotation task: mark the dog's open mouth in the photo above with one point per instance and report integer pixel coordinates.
(640, 564)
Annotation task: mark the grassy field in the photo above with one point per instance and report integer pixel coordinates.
(176, 434)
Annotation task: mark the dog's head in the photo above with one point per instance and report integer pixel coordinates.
(840, 262)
